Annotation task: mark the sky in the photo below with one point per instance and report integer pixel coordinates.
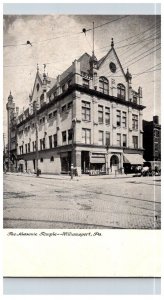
(57, 40)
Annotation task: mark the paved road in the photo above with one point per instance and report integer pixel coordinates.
(31, 202)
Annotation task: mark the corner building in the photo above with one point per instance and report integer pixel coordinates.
(89, 116)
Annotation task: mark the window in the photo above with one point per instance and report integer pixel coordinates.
(135, 142)
(135, 99)
(43, 119)
(42, 144)
(69, 105)
(107, 136)
(119, 139)
(50, 141)
(64, 108)
(70, 133)
(101, 137)
(121, 91)
(52, 158)
(86, 82)
(64, 137)
(100, 114)
(104, 85)
(134, 122)
(118, 118)
(124, 140)
(34, 146)
(55, 140)
(86, 136)
(124, 124)
(86, 111)
(63, 88)
(41, 160)
(55, 113)
(28, 147)
(69, 82)
(37, 87)
(107, 115)
(50, 115)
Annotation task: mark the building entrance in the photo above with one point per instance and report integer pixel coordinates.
(65, 162)
(114, 163)
(85, 162)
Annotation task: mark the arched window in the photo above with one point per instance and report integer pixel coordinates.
(104, 85)
(41, 160)
(121, 91)
(52, 158)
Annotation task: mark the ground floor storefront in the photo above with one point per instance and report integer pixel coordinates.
(82, 160)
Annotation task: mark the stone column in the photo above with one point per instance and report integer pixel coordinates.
(95, 120)
(113, 132)
(77, 161)
(76, 114)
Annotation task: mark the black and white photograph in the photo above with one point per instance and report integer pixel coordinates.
(82, 121)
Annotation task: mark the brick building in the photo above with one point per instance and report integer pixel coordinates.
(152, 139)
(89, 116)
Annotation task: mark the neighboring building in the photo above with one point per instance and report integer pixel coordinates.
(152, 139)
(89, 116)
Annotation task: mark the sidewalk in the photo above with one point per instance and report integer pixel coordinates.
(75, 178)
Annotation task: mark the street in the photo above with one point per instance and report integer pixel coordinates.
(87, 202)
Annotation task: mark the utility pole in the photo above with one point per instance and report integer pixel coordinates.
(36, 131)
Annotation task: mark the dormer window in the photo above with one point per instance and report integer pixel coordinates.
(104, 85)
(121, 91)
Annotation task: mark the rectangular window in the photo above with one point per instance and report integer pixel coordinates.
(43, 120)
(101, 137)
(64, 137)
(50, 141)
(135, 142)
(69, 105)
(118, 118)
(40, 144)
(100, 114)
(86, 111)
(55, 113)
(124, 141)
(135, 99)
(50, 115)
(55, 140)
(70, 133)
(119, 139)
(34, 146)
(28, 147)
(107, 141)
(86, 82)
(124, 119)
(63, 88)
(107, 115)
(64, 108)
(135, 122)
(86, 136)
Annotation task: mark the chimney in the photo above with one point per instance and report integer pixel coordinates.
(156, 120)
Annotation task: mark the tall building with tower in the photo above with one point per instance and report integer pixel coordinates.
(152, 139)
(89, 116)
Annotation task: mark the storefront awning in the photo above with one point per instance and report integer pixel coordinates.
(133, 159)
(97, 160)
